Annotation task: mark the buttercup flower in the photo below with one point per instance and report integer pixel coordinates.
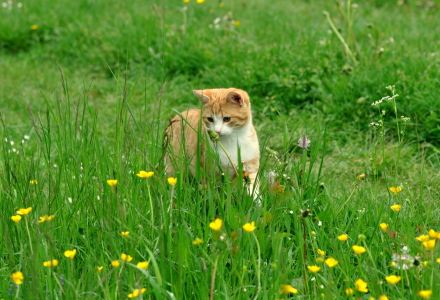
(200, 1)
(237, 23)
(383, 297)
(99, 269)
(331, 262)
(112, 182)
(320, 259)
(349, 292)
(24, 211)
(172, 181)
(429, 245)
(360, 177)
(395, 190)
(423, 238)
(197, 241)
(383, 226)
(51, 263)
(433, 234)
(115, 263)
(361, 286)
(249, 227)
(186, 1)
(287, 288)
(33, 182)
(17, 277)
(143, 174)
(438, 260)
(16, 218)
(320, 252)
(216, 225)
(343, 237)
(46, 218)
(393, 279)
(34, 27)
(425, 294)
(125, 233)
(358, 249)
(142, 265)
(70, 253)
(126, 257)
(396, 207)
(136, 293)
(313, 269)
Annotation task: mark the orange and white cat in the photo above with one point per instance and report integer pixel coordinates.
(228, 113)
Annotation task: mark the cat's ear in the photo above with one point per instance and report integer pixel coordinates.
(202, 95)
(234, 98)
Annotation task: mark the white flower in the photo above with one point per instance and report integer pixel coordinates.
(12, 143)
(26, 137)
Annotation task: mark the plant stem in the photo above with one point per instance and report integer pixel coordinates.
(258, 267)
(214, 271)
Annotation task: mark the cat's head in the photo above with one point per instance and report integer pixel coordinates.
(225, 110)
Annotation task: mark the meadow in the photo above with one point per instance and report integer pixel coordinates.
(86, 92)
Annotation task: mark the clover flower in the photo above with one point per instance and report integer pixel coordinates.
(51, 263)
(216, 225)
(402, 261)
(70, 253)
(361, 286)
(126, 257)
(358, 249)
(314, 269)
(46, 218)
(142, 265)
(24, 211)
(16, 218)
(288, 289)
(136, 293)
(331, 262)
(393, 279)
(343, 237)
(17, 277)
(143, 174)
(249, 227)
(197, 241)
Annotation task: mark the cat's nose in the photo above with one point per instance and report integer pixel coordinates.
(218, 132)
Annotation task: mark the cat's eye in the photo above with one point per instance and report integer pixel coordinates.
(210, 119)
(226, 119)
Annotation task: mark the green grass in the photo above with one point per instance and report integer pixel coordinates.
(86, 98)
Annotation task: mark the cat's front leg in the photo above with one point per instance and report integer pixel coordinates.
(254, 186)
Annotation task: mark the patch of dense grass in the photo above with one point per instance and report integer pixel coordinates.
(101, 113)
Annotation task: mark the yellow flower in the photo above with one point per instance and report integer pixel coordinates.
(438, 260)
(125, 233)
(45, 218)
(115, 263)
(429, 245)
(434, 235)
(423, 238)
(197, 241)
(186, 1)
(16, 218)
(172, 181)
(216, 225)
(320, 252)
(142, 265)
(383, 226)
(126, 257)
(361, 286)
(425, 294)
(313, 269)
(237, 23)
(349, 292)
(360, 177)
(383, 297)
(112, 182)
(358, 249)
(426, 263)
(287, 288)
(200, 1)
(143, 174)
(320, 259)
(221, 4)
(99, 269)
(136, 293)
(249, 227)
(395, 190)
(70, 253)
(34, 27)
(24, 211)
(396, 207)
(33, 181)
(331, 262)
(17, 277)
(343, 237)
(313, 232)
(393, 279)
(51, 263)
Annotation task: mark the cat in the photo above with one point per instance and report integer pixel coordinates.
(228, 113)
